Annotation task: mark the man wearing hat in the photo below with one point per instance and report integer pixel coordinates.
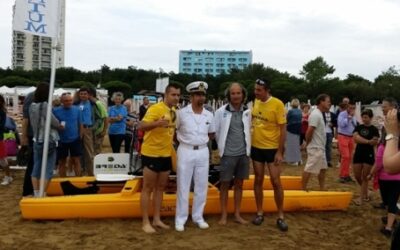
(194, 127)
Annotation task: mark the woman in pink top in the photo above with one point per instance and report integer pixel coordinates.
(389, 185)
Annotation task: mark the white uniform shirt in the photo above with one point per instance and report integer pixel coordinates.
(193, 129)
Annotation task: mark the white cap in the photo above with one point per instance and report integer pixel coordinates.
(198, 86)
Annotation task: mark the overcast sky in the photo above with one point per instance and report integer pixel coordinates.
(359, 37)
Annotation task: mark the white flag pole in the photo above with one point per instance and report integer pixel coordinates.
(54, 47)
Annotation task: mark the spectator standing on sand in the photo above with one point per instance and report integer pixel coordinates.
(316, 141)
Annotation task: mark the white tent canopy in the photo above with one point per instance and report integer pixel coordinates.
(21, 91)
(4, 90)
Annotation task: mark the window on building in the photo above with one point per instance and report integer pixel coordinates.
(209, 65)
(220, 65)
(220, 59)
(242, 59)
(197, 70)
(231, 59)
(198, 64)
(187, 64)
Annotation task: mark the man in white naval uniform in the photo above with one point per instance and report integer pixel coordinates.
(195, 125)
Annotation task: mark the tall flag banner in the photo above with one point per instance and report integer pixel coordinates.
(37, 17)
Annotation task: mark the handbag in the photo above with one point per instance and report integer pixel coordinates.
(23, 155)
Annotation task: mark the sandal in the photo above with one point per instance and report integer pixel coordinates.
(258, 220)
(282, 225)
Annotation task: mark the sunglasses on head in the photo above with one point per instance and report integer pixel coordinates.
(261, 82)
(66, 93)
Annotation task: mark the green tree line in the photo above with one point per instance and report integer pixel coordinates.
(315, 78)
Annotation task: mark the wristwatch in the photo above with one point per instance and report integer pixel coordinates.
(390, 137)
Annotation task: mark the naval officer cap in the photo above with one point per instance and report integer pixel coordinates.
(198, 86)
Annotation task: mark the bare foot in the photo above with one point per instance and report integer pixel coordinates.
(240, 220)
(223, 220)
(160, 224)
(357, 202)
(148, 229)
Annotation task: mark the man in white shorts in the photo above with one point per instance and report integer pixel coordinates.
(315, 140)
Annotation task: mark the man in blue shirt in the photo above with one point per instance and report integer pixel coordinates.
(70, 141)
(87, 117)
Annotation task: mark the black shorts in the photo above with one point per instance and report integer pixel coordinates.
(263, 155)
(157, 164)
(364, 157)
(72, 149)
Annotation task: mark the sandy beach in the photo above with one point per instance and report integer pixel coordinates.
(356, 228)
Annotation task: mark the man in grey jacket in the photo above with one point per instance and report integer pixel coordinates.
(232, 125)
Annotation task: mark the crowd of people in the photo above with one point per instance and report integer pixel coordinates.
(264, 134)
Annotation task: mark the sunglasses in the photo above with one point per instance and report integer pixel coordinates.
(66, 93)
(261, 82)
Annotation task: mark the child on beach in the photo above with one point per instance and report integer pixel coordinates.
(366, 136)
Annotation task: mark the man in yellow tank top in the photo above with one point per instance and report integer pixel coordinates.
(159, 126)
(267, 147)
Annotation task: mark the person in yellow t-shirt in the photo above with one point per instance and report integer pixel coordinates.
(267, 147)
(159, 126)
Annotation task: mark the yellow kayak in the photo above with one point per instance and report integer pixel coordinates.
(126, 203)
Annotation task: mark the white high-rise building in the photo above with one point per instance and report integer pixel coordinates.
(34, 52)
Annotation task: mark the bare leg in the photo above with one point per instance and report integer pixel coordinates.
(258, 185)
(62, 170)
(223, 197)
(149, 182)
(357, 169)
(162, 181)
(390, 221)
(238, 200)
(5, 166)
(7, 170)
(35, 183)
(321, 179)
(76, 165)
(275, 173)
(305, 179)
(366, 169)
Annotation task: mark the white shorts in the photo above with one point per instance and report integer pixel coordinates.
(316, 160)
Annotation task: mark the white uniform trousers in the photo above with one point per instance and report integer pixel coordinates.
(191, 163)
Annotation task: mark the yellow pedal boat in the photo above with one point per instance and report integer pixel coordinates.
(104, 187)
(126, 203)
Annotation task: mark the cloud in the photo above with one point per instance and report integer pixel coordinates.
(355, 36)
